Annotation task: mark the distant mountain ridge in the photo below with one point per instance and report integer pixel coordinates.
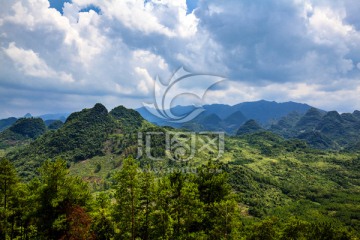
(97, 132)
(249, 127)
(7, 122)
(230, 118)
(321, 129)
(22, 131)
(48, 118)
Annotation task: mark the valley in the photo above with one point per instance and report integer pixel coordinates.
(272, 180)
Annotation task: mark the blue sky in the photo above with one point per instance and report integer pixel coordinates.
(64, 56)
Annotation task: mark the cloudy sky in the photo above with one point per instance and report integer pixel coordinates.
(61, 57)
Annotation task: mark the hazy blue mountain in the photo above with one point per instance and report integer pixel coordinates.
(310, 120)
(265, 112)
(317, 140)
(286, 125)
(232, 117)
(322, 129)
(222, 110)
(231, 123)
(235, 118)
(159, 121)
(205, 121)
(55, 116)
(7, 122)
(356, 114)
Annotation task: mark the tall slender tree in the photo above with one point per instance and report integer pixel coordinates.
(8, 181)
(186, 207)
(146, 202)
(127, 196)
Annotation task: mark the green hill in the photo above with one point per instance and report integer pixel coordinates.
(5, 123)
(85, 134)
(310, 120)
(22, 131)
(233, 122)
(286, 125)
(270, 177)
(29, 127)
(54, 124)
(329, 130)
(248, 127)
(128, 118)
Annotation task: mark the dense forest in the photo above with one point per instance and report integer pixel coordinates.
(139, 205)
(84, 179)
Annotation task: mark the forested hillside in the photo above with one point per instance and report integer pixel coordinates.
(322, 130)
(87, 180)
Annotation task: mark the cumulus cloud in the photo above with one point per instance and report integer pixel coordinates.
(300, 50)
(31, 64)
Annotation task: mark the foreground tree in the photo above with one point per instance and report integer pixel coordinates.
(186, 207)
(62, 201)
(8, 182)
(127, 199)
(146, 203)
(221, 212)
(103, 224)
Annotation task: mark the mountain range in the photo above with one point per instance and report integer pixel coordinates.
(48, 118)
(318, 128)
(321, 129)
(272, 169)
(221, 117)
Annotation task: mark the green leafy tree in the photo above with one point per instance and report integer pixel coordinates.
(8, 182)
(225, 222)
(59, 194)
(127, 197)
(295, 229)
(221, 220)
(146, 202)
(22, 211)
(103, 224)
(264, 230)
(213, 183)
(322, 231)
(186, 207)
(161, 216)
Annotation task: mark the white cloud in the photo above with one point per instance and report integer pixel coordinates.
(342, 99)
(146, 82)
(300, 50)
(31, 64)
(133, 14)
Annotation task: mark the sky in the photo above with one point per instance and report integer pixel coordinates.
(64, 56)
